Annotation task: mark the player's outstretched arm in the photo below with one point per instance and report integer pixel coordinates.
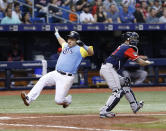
(142, 62)
(59, 38)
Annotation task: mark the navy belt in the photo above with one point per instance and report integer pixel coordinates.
(64, 73)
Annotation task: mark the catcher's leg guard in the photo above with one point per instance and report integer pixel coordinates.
(129, 94)
(112, 101)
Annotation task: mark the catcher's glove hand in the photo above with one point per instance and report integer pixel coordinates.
(80, 43)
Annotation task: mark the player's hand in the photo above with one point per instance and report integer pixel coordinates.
(56, 33)
(80, 43)
(149, 62)
(143, 57)
(56, 30)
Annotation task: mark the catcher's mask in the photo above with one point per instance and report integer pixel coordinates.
(133, 37)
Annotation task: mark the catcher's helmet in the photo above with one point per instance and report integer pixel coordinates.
(74, 34)
(132, 37)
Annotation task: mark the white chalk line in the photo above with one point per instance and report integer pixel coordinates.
(83, 115)
(56, 126)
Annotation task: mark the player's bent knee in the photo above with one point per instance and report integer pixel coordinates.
(126, 82)
(144, 74)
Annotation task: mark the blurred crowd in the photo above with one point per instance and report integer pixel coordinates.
(83, 11)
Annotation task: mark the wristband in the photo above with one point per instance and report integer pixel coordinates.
(57, 35)
(85, 47)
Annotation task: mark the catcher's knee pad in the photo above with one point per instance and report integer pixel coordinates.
(126, 82)
(114, 99)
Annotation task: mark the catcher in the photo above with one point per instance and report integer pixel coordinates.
(121, 85)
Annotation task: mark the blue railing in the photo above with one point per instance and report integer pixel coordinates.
(27, 66)
(84, 27)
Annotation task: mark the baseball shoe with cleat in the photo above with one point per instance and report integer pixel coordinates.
(140, 105)
(107, 115)
(25, 98)
(69, 99)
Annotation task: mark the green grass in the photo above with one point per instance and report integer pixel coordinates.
(89, 103)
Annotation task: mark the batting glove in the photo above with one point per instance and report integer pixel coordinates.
(149, 62)
(56, 33)
(80, 43)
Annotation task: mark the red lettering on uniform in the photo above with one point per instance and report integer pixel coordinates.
(116, 51)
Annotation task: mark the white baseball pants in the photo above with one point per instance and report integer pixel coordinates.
(63, 84)
(110, 75)
(138, 75)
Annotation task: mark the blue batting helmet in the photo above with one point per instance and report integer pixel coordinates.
(74, 34)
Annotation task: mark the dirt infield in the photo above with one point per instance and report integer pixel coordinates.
(47, 122)
(54, 122)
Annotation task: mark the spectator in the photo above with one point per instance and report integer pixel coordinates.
(152, 19)
(66, 4)
(72, 16)
(126, 16)
(100, 15)
(162, 19)
(80, 4)
(41, 6)
(131, 3)
(55, 11)
(29, 2)
(157, 5)
(85, 16)
(26, 18)
(27, 9)
(107, 4)
(138, 14)
(17, 13)
(144, 9)
(56, 2)
(15, 53)
(160, 12)
(95, 6)
(3, 5)
(113, 15)
(9, 19)
(136, 74)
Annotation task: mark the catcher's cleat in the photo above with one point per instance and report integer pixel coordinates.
(25, 98)
(140, 105)
(69, 98)
(107, 115)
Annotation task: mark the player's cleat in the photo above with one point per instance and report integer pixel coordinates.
(140, 105)
(107, 115)
(69, 99)
(25, 98)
